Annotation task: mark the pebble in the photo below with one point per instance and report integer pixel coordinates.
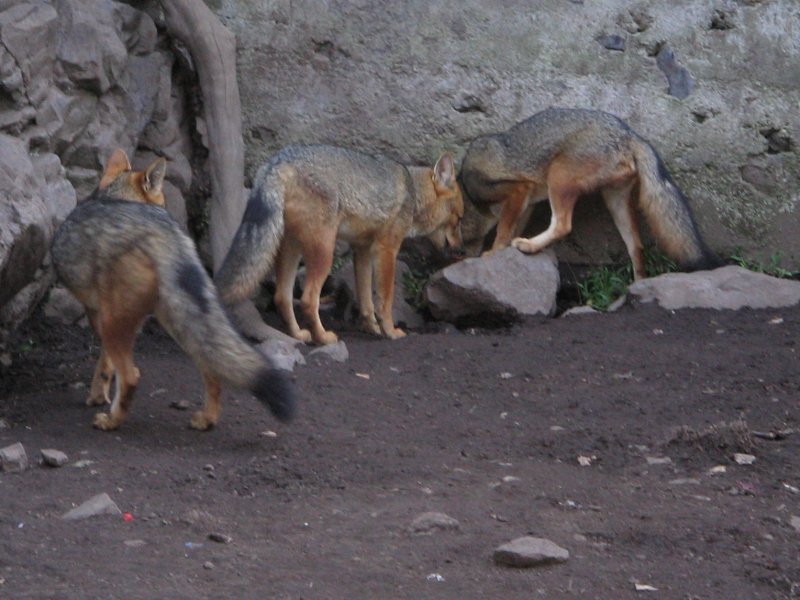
(430, 521)
(795, 523)
(54, 458)
(13, 458)
(180, 405)
(135, 543)
(101, 504)
(744, 459)
(337, 352)
(659, 460)
(529, 552)
(220, 538)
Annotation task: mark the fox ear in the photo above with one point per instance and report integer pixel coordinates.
(117, 163)
(154, 176)
(444, 173)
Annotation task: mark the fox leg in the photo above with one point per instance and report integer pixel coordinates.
(620, 205)
(514, 206)
(207, 417)
(565, 181)
(362, 267)
(318, 255)
(386, 265)
(285, 273)
(103, 372)
(118, 336)
(99, 392)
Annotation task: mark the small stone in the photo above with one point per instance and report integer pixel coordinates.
(430, 521)
(268, 433)
(612, 42)
(220, 538)
(744, 459)
(795, 523)
(3, 424)
(718, 470)
(13, 458)
(337, 352)
(54, 458)
(180, 405)
(208, 565)
(529, 552)
(135, 543)
(83, 463)
(102, 504)
(585, 461)
(5, 360)
(685, 481)
(659, 460)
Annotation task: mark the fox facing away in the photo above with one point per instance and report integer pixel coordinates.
(307, 197)
(125, 258)
(562, 154)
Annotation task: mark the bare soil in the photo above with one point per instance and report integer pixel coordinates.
(484, 425)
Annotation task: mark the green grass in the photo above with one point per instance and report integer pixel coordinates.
(773, 267)
(414, 282)
(601, 286)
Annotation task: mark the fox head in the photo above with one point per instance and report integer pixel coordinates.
(447, 209)
(120, 181)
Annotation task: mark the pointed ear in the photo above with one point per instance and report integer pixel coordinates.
(117, 163)
(154, 176)
(444, 173)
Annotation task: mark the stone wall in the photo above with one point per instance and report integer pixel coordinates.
(714, 85)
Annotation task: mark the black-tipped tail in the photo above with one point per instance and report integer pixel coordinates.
(274, 388)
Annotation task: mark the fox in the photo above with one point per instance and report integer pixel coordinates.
(561, 154)
(124, 258)
(308, 196)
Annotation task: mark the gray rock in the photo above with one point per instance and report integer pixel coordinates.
(285, 355)
(431, 521)
(62, 305)
(730, 287)
(529, 552)
(681, 82)
(102, 504)
(580, 310)
(13, 458)
(507, 283)
(336, 352)
(54, 458)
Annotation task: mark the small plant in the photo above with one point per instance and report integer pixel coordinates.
(773, 267)
(414, 282)
(604, 285)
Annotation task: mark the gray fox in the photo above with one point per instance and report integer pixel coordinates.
(307, 197)
(562, 154)
(124, 258)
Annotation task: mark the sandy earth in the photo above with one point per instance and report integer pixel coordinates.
(484, 425)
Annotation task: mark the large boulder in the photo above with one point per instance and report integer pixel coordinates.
(78, 78)
(33, 196)
(507, 283)
(730, 287)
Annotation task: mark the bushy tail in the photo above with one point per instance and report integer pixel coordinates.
(668, 213)
(190, 310)
(256, 242)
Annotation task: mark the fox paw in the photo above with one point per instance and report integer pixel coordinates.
(304, 335)
(371, 326)
(326, 338)
(524, 245)
(104, 422)
(201, 421)
(395, 333)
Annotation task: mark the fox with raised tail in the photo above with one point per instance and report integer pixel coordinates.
(307, 197)
(561, 154)
(122, 255)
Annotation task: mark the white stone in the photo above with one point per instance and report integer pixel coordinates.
(530, 552)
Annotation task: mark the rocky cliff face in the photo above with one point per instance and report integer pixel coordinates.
(78, 78)
(714, 85)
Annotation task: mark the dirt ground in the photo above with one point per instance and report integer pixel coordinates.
(484, 425)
